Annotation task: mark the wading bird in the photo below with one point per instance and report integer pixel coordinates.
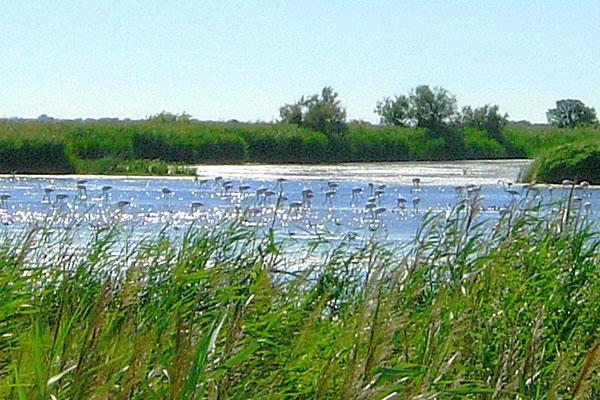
(3, 198)
(415, 201)
(46, 197)
(106, 191)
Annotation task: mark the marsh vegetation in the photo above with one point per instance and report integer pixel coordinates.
(231, 312)
(423, 125)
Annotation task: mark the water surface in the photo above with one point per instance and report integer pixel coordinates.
(252, 192)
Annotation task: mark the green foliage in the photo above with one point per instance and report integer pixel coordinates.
(479, 145)
(425, 107)
(98, 140)
(167, 117)
(464, 312)
(395, 111)
(286, 143)
(487, 118)
(432, 108)
(532, 141)
(148, 147)
(119, 166)
(34, 157)
(570, 113)
(29, 152)
(321, 113)
(186, 145)
(579, 162)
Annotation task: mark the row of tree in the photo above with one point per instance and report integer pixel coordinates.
(432, 108)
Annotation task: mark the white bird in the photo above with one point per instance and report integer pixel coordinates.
(196, 206)
(279, 184)
(415, 201)
(329, 195)
(3, 198)
(121, 204)
(356, 192)
(307, 195)
(416, 185)
(81, 191)
(200, 182)
(105, 191)
(585, 186)
(46, 197)
(400, 203)
(296, 206)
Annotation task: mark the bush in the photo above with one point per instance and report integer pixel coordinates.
(92, 141)
(578, 162)
(65, 147)
(34, 156)
(197, 145)
(320, 113)
(479, 145)
(373, 143)
(532, 141)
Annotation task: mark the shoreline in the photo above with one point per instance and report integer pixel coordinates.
(458, 172)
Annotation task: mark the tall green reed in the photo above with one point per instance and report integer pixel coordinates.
(502, 309)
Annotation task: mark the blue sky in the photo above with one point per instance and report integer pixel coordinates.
(243, 59)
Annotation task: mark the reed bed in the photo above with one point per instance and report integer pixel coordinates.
(149, 147)
(464, 311)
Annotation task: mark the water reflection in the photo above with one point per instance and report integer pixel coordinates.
(367, 199)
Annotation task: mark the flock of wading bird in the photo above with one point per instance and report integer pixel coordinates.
(273, 199)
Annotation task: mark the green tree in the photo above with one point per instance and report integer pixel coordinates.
(424, 107)
(395, 111)
(570, 113)
(487, 118)
(321, 113)
(166, 117)
(432, 108)
(292, 113)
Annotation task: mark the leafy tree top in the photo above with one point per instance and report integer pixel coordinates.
(322, 113)
(570, 113)
(422, 107)
(166, 117)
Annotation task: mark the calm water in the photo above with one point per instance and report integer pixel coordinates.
(147, 205)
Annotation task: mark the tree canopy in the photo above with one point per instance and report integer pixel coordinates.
(395, 111)
(487, 118)
(570, 113)
(167, 117)
(322, 113)
(424, 107)
(433, 108)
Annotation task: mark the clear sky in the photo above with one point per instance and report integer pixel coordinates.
(243, 59)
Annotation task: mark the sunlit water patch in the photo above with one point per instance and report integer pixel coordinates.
(382, 200)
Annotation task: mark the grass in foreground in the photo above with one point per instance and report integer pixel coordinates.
(465, 311)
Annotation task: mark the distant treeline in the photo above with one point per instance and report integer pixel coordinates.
(146, 147)
(424, 124)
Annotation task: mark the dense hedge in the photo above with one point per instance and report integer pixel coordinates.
(535, 140)
(579, 162)
(147, 146)
(39, 156)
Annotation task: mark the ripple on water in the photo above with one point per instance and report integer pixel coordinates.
(385, 198)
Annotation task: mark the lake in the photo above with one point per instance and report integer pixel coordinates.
(297, 200)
